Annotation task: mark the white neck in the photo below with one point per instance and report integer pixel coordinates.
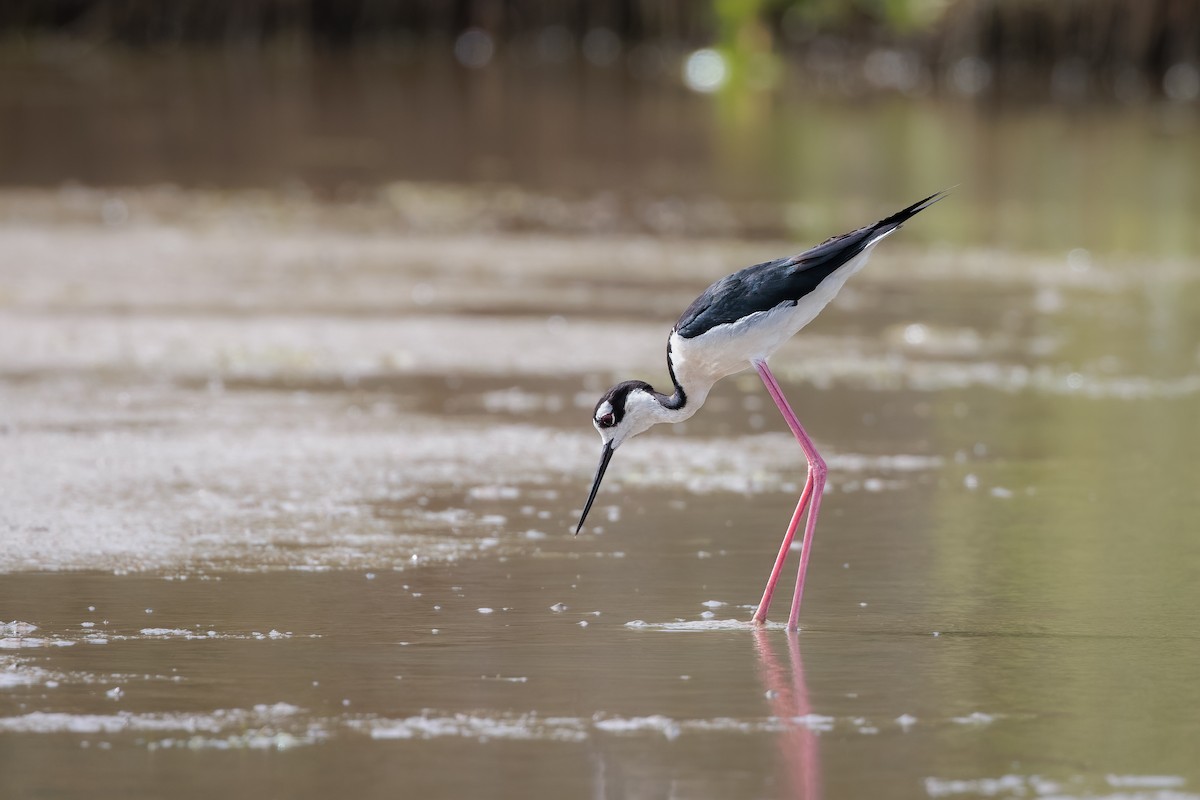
(646, 409)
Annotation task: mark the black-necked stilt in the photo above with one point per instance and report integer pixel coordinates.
(738, 321)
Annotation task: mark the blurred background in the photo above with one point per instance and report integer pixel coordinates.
(1065, 124)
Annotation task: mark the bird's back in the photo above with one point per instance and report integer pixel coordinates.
(786, 280)
(762, 287)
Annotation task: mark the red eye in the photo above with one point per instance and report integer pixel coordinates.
(607, 421)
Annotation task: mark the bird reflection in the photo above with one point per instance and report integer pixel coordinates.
(787, 693)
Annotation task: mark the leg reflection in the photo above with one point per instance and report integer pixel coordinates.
(788, 697)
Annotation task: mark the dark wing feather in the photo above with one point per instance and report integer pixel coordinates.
(784, 280)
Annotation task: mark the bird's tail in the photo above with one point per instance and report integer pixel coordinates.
(889, 225)
(900, 217)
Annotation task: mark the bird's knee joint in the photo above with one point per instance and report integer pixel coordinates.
(818, 470)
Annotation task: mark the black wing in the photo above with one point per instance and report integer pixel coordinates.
(784, 280)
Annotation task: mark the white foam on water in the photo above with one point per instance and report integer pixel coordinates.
(125, 721)
(673, 728)
(260, 740)
(13, 675)
(530, 726)
(656, 722)
(182, 633)
(17, 671)
(493, 492)
(473, 726)
(91, 636)
(705, 625)
(266, 726)
(1079, 787)
(988, 787)
(732, 725)
(1146, 781)
(815, 722)
(282, 725)
(21, 642)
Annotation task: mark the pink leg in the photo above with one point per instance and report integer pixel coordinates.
(760, 614)
(814, 486)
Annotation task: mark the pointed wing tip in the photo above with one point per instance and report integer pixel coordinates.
(937, 196)
(902, 216)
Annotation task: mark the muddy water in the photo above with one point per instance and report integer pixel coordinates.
(288, 487)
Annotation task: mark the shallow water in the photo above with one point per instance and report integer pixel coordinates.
(288, 496)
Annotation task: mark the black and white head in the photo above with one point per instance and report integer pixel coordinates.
(624, 411)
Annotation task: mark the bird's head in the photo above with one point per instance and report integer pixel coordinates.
(623, 412)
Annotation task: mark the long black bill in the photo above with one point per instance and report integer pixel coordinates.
(605, 457)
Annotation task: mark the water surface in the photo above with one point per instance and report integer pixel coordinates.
(288, 485)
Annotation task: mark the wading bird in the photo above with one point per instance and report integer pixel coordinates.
(737, 322)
